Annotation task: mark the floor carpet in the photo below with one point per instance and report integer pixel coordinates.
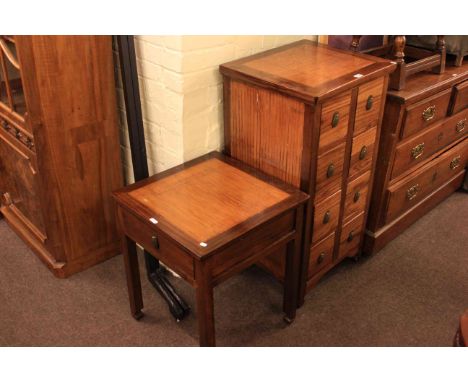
(409, 294)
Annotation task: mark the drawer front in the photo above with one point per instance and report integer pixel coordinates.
(334, 121)
(424, 113)
(356, 196)
(362, 152)
(368, 106)
(329, 172)
(351, 237)
(422, 146)
(460, 97)
(321, 255)
(405, 194)
(326, 216)
(158, 245)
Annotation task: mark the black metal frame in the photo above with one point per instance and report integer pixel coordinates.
(128, 69)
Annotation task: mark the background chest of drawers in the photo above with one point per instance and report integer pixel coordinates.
(423, 152)
(310, 115)
(59, 147)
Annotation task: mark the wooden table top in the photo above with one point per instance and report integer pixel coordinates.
(308, 69)
(209, 201)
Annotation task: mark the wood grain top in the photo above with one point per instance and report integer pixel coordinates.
(426, 83)
(210, 200)
(308, 70)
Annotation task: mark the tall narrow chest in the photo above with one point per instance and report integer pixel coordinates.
(310, 115)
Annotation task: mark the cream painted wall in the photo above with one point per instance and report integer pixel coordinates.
(181, 93)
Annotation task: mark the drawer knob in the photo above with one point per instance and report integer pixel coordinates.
(363, 152)
(455, 162)
(417, 151)
(429, 113)
(460, 126)
(335, 119)
(321, 257)
(5, 125)
(412, 192)
(155, 241)
(330, 170)
(326, 217)
(357, 195)
(350, 236)
(370, 102)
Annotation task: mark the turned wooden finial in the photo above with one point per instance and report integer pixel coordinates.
(440, 48)
(399, 44)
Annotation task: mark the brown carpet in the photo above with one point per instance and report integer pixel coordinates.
(409, 294)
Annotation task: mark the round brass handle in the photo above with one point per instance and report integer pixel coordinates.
(330, 170)
(321, 257)
(350, 236)
(460, 126)
(357, 195)
(363, 152)
(155, 241)
(455, 162)
(335, 119)
(5, 125)
(429, 113)
(326, 217)
(370, 102)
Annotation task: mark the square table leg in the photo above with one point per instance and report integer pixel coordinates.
(205, 308)
(133, 277)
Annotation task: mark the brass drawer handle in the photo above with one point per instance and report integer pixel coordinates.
(326, 217)
(370, 102)
(335, 119)
(455, 162)
(412, 192)
(429, 113)
(350, 236)
(357, 195)
(5, 125)
(321, 257)
(155, 241)
(417, 151)
(363, 152)
(460, 126)
(330, 170)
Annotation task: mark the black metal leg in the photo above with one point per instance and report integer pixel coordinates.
(177, 306)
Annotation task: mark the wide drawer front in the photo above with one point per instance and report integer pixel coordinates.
(460, 97)
(326, 214)
(422, 146)
(351, 237)
(424, 113)
(321, 255)
(405, 194)
(334, 122)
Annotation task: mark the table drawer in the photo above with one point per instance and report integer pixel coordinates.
(422, 146)
(158, 244)
(334, 121)
(321, 255)
(351, 237)
(326, 214)
(410, 191)
(460, 97)
(362, 152)
(329, 172)
(424, 113)
(368, 107)
(356, 196)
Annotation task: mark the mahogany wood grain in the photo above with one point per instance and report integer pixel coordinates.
(326, 216)
(413, 152)
(362, 152)
(414, 117)
(368, 105)
(251, 131)
(459, 98)
(409, 191)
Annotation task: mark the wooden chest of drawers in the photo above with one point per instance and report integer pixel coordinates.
(310, 115)
(423, 152)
